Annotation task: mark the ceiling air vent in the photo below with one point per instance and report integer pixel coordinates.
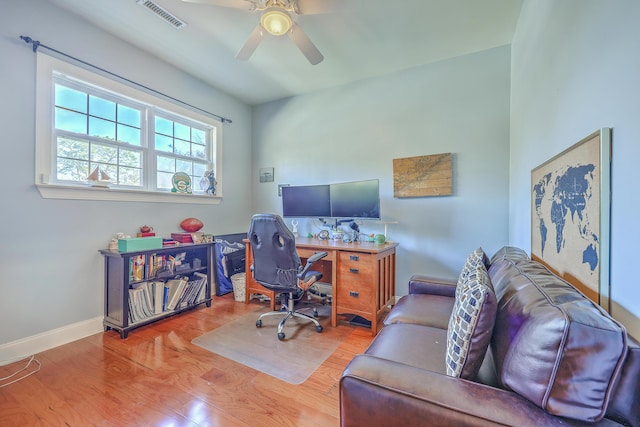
(162, 13)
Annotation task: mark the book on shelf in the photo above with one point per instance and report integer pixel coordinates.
(175, 291)
(157, 262)
(203, 287)
(152, 298)
(169, 242)
(182, 237)
(192, 291)
(158, 297)
(175, 260)
(145, 300)
(136, 268)
(147, 234)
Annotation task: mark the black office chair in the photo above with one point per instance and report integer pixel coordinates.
(277, 266)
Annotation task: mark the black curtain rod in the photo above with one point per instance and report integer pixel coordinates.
(35, 44)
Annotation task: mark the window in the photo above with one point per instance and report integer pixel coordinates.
(93, 129)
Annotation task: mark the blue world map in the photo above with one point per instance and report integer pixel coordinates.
(562, 200)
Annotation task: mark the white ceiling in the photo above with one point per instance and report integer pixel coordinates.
(361, 39)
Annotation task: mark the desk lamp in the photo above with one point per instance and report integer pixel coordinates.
(356, 230)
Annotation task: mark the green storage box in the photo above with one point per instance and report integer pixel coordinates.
(139, 244)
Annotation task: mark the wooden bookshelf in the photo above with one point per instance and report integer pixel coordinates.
(123, 272)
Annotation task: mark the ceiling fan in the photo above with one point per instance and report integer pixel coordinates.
(276, 19)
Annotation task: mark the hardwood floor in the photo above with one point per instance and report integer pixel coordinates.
(156, 377)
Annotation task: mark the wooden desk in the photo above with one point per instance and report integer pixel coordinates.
(363, 276)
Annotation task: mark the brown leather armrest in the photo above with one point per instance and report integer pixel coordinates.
(380, 392)
(421, 284)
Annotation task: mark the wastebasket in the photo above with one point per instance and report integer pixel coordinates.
(239, 286)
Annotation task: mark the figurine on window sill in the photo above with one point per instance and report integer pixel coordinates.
(209, 182)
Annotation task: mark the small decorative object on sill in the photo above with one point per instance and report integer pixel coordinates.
(181, 183)
(99, 178)
(208, 183)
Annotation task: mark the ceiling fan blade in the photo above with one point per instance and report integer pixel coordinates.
(251, 44)
(234, 4)
(305, 44)
(315, 7)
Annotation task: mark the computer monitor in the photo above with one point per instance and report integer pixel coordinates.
(306, 201)
(359, 199)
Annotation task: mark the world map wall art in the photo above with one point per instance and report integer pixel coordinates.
(570, 202)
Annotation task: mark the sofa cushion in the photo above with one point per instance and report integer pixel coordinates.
(422, 309)
(470, 325)
(475, 258)
(415, 345)
(551, 344)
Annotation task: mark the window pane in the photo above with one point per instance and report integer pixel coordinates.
(100, 107)
(181, 131)
(164, 143)
(72, 170)
(71, 99)
(182, 147)
(73, 148)
(198, 136)
(198, 171)
(164, 180)
(130, 158)
(130, 176)
(70, 121)
(110, 170)
(128, 116)
(166, 164)
(184, 166)
(129, 135)
(199, 151)
(102, 128)
(104, 153)
(164, 126)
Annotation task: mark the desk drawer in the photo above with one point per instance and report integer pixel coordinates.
(354, 295)
(356, 266)
(305, 253)
(355, 281)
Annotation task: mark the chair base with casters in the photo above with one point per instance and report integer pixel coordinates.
(290, 310)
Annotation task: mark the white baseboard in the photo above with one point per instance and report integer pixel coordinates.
(23, 348)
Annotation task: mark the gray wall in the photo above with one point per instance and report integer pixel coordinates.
(50, 271)
(354, 132)
(575, 69)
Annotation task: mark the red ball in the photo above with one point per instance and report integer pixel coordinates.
(191, 225)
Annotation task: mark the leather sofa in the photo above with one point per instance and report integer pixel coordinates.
(553, 358)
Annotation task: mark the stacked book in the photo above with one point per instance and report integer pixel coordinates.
(151, 299)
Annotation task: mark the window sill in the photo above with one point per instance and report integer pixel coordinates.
(49, 191)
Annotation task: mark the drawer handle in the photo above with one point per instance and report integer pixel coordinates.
(354, 294)
(354, 258)
(354, 270)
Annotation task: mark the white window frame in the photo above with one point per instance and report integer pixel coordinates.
(49, 188)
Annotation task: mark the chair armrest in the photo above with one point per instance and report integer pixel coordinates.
(380, 392)
(421, 284)
(310, 261)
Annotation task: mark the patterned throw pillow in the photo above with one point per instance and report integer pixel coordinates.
(475, 258)
(471, 324)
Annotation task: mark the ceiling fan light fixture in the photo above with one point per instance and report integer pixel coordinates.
(276, 21)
